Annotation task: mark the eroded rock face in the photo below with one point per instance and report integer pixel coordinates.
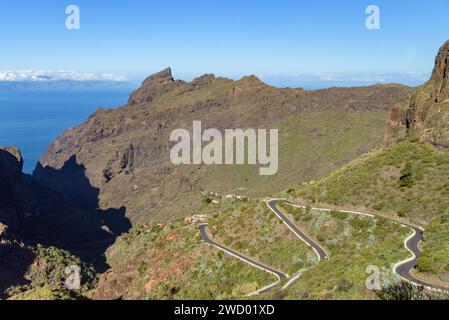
(427, 113)
(440, 74)
(16, 202)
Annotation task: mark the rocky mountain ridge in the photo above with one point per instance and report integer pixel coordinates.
(125, 152)
(427, 113)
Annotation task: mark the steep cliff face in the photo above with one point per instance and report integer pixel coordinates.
(440, 74)
(16, 202)
(125, 152)
(427, 113)
(36, 223)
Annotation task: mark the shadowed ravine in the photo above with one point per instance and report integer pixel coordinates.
(62, 211)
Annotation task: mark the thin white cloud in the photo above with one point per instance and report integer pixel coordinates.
(368, 78)
(48, 75)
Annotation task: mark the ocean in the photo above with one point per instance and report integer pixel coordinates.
(32, 120)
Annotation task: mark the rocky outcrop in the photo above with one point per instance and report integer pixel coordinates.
(154, 86)
(440, 75)
(427, 113)
(16, 202)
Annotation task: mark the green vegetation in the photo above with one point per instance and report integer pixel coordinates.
(53, 262)
(408, 180)
(47, 277)
(435, 257)
(310, 146)
(406, 291)
(47, 293)
(256, 232)
(353, 243)
(175, 264)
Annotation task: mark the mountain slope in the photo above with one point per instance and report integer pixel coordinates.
(171, 262)
(408, 180)
(125, 152)
(405, 181)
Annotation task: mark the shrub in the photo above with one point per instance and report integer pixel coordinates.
(406, 179)
(401, 291)
(339, 215)
(425, 264)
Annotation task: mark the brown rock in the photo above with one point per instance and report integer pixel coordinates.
(427, 113)
(440, 74)
(16, 201)
(154, 86)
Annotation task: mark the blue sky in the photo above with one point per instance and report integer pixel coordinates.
(282, 38)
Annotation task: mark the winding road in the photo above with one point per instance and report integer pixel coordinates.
(403, 269)
(278, 274)
(321, 253)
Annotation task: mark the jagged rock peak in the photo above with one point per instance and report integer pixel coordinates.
(440, 74)
(440, 71)
(427, 114)
(153, 87)
(159, 77)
